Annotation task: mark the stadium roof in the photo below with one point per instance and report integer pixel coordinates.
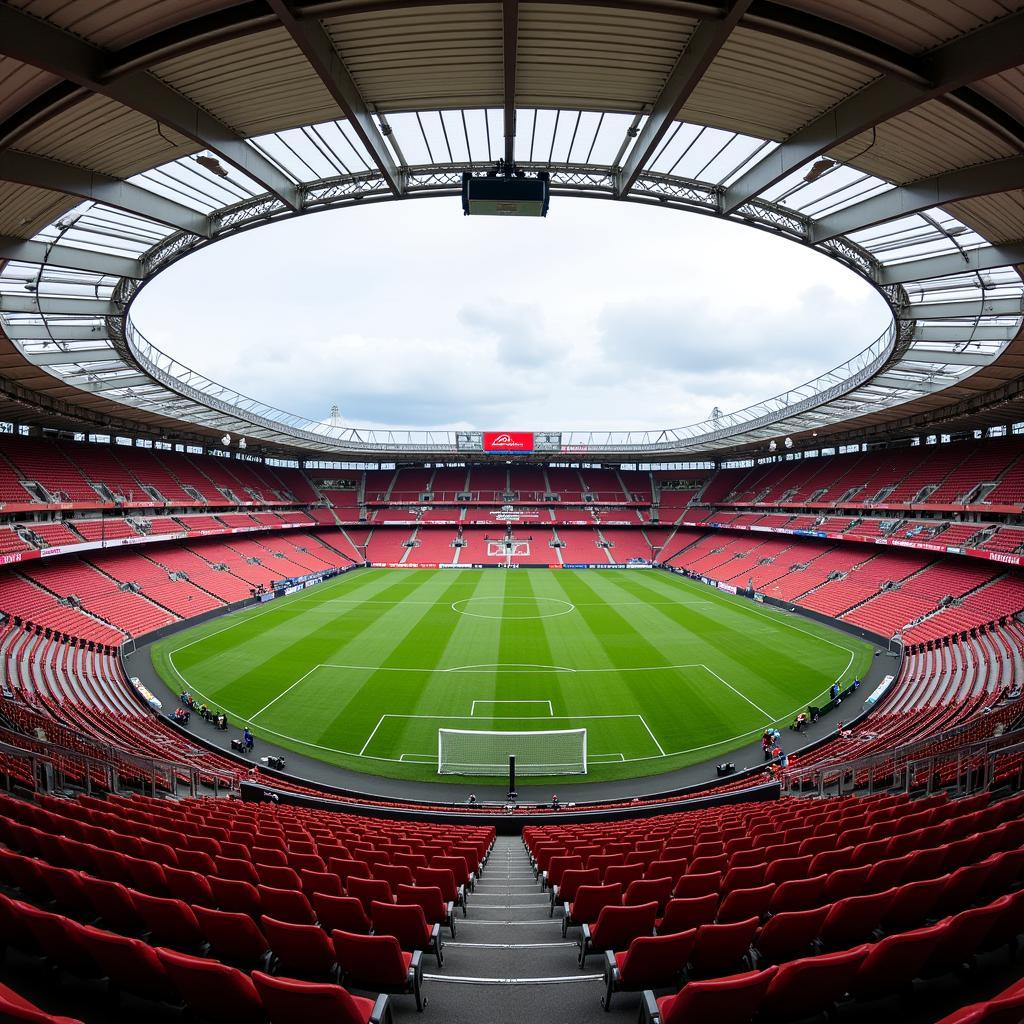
(889, 134)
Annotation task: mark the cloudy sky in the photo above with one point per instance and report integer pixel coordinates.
(603, 315)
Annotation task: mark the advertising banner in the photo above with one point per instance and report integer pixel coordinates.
(508, 441)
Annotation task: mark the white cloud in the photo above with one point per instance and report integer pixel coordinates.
(601, 316)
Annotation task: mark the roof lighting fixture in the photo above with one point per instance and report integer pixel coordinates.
(226, 440)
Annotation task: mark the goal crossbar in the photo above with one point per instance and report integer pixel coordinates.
(537, 752)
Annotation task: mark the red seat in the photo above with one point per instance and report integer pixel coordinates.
(683, 914)
(278, 876)
(286, 1000)
(731, 1000)
(740, 904)
(805, 988)
(170, 922)
(407, 923)
(430, 900)
(394, 874)
(704, 865)
(789, 935)
(962, 886)
(893, 963)
(113, 904)
(378, 963)
(189, 887)
(557, 866)
(912, 904)
(61, 940)
(747, 877)
(232, 894)
(300, 950)
(130, 965)
(626, 874)
(366, 890)
(798, 894)
(565, 891)
(216, 992)
(236, 868)
(342, 912)
(233, 937)
(321, 881)
(651, 961)
(68, 890)
(15, 1008)
(697, 885)
(285, 905)
(853, 920)
(616, 927)
(722, 948)
(962, 936)
(444, 879)
(845, 882)
(588, 903)
(644, 890)
(347, 867)
(673, 868)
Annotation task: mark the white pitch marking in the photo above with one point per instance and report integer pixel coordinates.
(372, 734)
(738, 694)
(643, 722)
(472, 708)
(252, 718)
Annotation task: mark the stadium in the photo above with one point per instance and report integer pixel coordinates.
(713, 722)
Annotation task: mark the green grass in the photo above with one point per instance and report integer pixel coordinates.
(363, 670)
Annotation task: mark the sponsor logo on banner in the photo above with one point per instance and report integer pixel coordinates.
(508, 441)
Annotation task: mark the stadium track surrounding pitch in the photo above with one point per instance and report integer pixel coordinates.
(361, 671)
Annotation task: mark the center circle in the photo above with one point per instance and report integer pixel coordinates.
(501, 612)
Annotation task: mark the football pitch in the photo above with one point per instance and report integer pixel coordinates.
(363, 670)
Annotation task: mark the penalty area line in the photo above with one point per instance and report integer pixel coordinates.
(643, 722)
(253, 718)
(742, 696)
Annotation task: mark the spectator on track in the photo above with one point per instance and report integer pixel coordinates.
(248, 739)
(766, 744)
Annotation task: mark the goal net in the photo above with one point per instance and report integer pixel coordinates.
(484, 752)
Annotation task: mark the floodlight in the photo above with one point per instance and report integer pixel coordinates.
(788, 442)
(772, 446)
(226, 440)
(241, 442)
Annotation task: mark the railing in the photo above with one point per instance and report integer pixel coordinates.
(966, 767)
(105, 772)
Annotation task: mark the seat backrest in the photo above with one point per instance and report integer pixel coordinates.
(303, 950)
(617, 926)
(561, 863)
(743, 903)
(655, 961)
(232, 894)
(790, 933)
(673, 867)
(286, 905)
(427, 897)
(591, 898)
(644, 890)
(853, 918)
(682, 914)
(443, 878)
(732, 1000)
(895, 960)
(745, 877)
(845, 882)
(346, 867)
(320, 881)
(625, 873)
(210, 988)
(278, 876)
(394, 874)
(233, 937)
(406, 922)
(343, 912)
(799, 894)
(366, 890)
(720, 948)
(310, 1002)
(370, 960)
(574, 878)
(696, 885)
(813, 983)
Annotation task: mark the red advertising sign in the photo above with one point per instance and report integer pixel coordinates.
(508, 441)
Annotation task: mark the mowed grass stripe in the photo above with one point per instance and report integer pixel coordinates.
(400, 627)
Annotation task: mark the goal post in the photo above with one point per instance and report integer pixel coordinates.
(486, 752)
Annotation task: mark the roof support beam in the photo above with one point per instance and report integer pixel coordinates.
(937, 357)
(908, 384)
(954, 335)
(707, 39)
(965, 309)
(309, 35)
(985, 257)
(510, 51)
(988, 51)
(49, 254)
(62, 357)
(979, 180)
(95, 384)
(35, 42)
(55, 332)
(57, 305)
(101, 188)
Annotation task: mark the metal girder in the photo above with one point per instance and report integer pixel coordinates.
(320, 52)
(953, 333)
(950, 187)
(62, 357)
(707, 39)
(907, 384)
(42, 45)
(53, 255)
(938, 357)
(28, 169)
(54, 304)
(985, 257)
(89, 382)
(986, 52)
(510, 51)
(965, 309)
(54, 332)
